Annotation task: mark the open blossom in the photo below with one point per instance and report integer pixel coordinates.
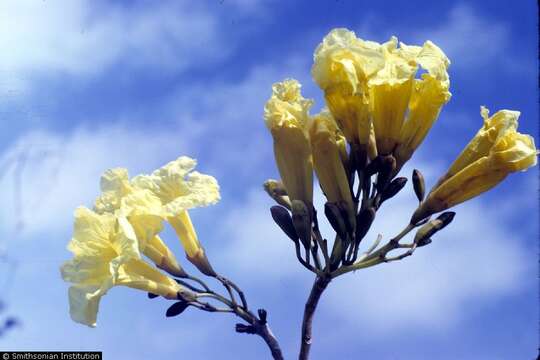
(143, 210)
(394, 91)
(286, 116)
(373, 93)
(342, 65)
(106, 254)
(496, 151)
(179, 189)
(429, 94)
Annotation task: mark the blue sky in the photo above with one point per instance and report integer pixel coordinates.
(88, 85)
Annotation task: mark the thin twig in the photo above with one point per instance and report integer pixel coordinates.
(199, 281)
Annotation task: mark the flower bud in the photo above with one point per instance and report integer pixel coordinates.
(419, 184)
(277, 191)
(283, 219)
(393, 188)
(363, 222)
(302, 222)
(333, 214)
(386, 169)
(429, 229)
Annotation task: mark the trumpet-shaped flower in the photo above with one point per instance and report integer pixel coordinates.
(342, 65)
(179, 188)
(106, 254)
(428, 96)
(145, 213)
(496, 151)
(286, 116)
(389, 93)
(324, 135)
(495, 127)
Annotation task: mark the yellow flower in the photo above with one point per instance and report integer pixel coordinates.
(179, 188)
(495, 127)
(496, 151)
(106, 254)
(324, 136)
(286, 116)
(389, 94)
(428, 96)
(342, 65)
(144, 211)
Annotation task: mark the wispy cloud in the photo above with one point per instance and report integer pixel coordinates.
(468, 37)
(57, 172)
(83, 37)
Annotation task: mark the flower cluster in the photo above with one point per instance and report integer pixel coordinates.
(109, 242)
(381, 102)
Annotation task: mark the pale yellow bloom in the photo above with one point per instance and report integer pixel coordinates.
(324, 135)
(428, 96)
(494, 128)
(389, 94)
(367, 84)
(342, 65)
(496, 151)
(286, 116)
(145, 213)
(106, 254)
(179, 188)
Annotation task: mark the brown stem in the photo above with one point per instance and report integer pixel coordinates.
(270, 340)
(261, 328)
(319, 286)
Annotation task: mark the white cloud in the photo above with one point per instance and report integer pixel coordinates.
(81, 36)
(475, 259)
(255, 244)
(211, 121)
(58, 172)
(468, 37)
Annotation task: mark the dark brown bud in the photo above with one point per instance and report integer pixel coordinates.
(386, 169)
(446, 218)
(333, 214)
(177, 308)
(363, 222)
(419, 184)
(433, 226)
(393, 188)
(302, 222)
(348, 216)
(283, 219)
(374, 166)
(423, 242)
